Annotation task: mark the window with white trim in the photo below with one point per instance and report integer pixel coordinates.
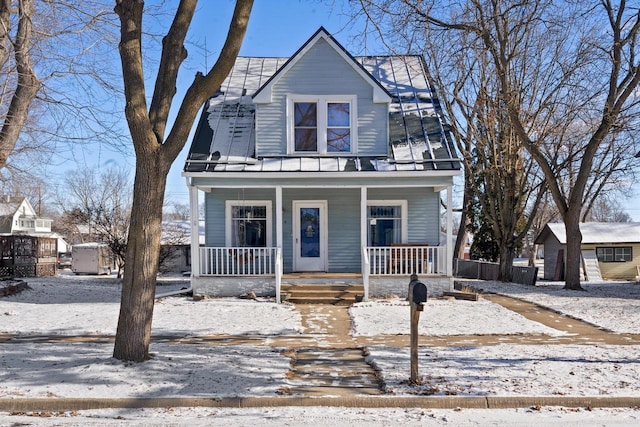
(321, 124)
(248, 223)
(614, 254)
(387, 222)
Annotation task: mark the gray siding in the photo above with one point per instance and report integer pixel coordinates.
(321, 72)
(551, 248)
(343, 206)
(214, 206)
(423, 211)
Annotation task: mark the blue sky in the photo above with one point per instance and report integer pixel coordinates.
(276, 28)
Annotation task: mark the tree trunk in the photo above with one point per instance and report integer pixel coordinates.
(27, 84)
(143, 251)
(461, 236)
(506, 263)
(574, 250)
(155, 153)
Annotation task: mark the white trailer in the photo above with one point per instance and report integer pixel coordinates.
(91, 258)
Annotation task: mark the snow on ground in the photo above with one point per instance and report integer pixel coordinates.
(80, 305)
(442, 317)
(88, 370)
(510, 370)
(335, 417)
(89, 305)
(602, 304)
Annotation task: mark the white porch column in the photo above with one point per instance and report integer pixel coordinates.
(279, 217)
(195, 230)
(278, 241)
(449, 230)
(363, 242)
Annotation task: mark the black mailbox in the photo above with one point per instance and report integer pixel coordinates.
(417, 290)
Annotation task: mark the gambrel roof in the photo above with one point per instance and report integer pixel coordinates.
(419, 138)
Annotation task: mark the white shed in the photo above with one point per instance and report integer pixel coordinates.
(92, 258)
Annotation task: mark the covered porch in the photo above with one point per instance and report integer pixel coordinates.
(349, 247)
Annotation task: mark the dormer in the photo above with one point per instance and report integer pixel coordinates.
(322, 41)
(325, 99)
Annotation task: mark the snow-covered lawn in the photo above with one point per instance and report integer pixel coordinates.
(73, 305)
(80, 305)
(614, 306)
(442, 317)
(514, 370)
(88, 370)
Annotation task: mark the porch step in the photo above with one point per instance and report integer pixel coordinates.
(336, 294)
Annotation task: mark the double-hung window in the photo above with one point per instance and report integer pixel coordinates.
(248, 223)
(387, 222)
(322, 124)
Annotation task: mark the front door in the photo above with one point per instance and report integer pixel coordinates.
(310, 235)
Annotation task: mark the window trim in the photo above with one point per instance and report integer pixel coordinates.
(230, 204)
(614, 253)
(322, 123)
(404, 218)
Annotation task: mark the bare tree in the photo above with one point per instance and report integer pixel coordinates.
(25, 83)
(96, 207)
(58, 91)
(503, 185)
(567, 74)
(156, 149)
(179, 211)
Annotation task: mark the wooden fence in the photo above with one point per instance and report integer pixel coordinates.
(470, 269)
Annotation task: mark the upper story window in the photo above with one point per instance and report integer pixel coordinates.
(322, 124)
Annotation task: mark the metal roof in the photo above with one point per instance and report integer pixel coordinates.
(419, 139)
(595, 232)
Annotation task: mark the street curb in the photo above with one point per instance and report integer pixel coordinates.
(432, 402)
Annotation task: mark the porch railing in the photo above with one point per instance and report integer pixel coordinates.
(406, 259)
(238, 261)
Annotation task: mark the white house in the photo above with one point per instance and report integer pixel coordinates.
(17, 216)
(321, 163)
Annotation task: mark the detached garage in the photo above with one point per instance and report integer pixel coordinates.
(610, 250)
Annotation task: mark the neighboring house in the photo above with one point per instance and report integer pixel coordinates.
(28, 248)
(322, 162)
(175, 251)
(17, 217)
(610, 250)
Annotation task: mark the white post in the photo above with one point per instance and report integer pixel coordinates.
(449, 230)
(195, 231)
(363, 241)
(278, 241)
